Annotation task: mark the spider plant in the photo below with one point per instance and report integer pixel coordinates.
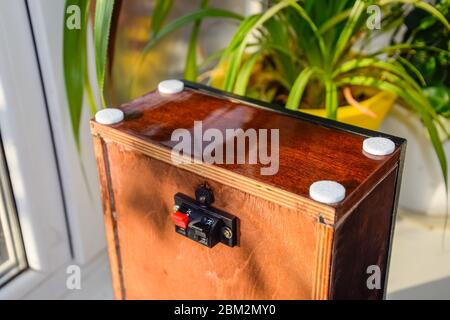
(311, 52)
(424, 30)
(312, 57)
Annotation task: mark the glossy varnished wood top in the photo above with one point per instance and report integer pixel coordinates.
(309, 151)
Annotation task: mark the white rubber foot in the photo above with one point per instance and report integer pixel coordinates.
(109, 116)
(170, 86)
(378, 146)
(327, 192)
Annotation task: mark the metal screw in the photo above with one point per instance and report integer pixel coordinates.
(227, 233)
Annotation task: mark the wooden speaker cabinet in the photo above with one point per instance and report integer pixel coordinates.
(265, 236)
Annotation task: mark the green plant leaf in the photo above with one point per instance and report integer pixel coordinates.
(439, 97)
(414, 92)
(335, 20)
(233, 67)
(186, 19)
(159, 14)
(282, 50)
(331, 99)
(244, 28)
(349, 29)
(103, 15)
(375, 64)
(230, 56)
(190, 69)
(245, 73)
(241, 38)
(88, 88)
(409, 47)
(215, 56)
(417, 94)
(311, 24)
(413, 69)
(278, 38)
(296, 93)
(421, 5)
(74, 59)
(412, 101)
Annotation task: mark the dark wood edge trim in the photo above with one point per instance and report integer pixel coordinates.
(324, 241)
(113, 217)
(372, 180)
(349, 211)
(394, 215)
(295, 114)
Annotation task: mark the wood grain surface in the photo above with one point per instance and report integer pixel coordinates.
(277, 256)
(308, 152)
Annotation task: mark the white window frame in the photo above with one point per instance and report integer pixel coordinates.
(61, 221)
(10, 226)
(84, 212)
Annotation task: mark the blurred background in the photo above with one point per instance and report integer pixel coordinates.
(50, 212)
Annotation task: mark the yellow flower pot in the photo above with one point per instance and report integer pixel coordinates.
(380, 104)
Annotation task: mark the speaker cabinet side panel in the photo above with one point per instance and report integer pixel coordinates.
(361, 244)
